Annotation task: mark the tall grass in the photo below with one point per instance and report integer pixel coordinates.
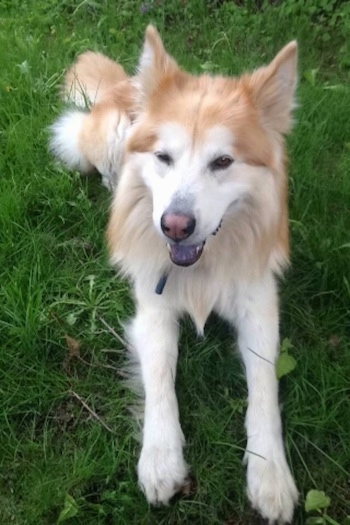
(56, 281)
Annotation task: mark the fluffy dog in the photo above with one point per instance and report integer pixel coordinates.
(198, 223)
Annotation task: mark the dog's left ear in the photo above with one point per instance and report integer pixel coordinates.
(273, 89)
(154, 64)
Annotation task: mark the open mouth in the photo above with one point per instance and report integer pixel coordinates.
(185, 255)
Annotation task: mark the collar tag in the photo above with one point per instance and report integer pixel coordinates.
(161, 284)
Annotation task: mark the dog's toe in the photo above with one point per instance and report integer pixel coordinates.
(271, 489)
(162, 473)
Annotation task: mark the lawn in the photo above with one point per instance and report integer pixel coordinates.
(67, 444)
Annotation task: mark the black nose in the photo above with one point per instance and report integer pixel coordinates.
(177, 227)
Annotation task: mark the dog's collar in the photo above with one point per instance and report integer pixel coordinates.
(161, 283)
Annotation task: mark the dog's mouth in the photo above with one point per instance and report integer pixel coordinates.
(185, 255)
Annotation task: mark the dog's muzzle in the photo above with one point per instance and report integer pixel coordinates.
(178, 228)
(187, 254)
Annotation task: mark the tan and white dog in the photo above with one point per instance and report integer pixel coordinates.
(199, 223)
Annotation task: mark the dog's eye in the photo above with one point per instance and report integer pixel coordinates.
(221, 163)
(164, 157)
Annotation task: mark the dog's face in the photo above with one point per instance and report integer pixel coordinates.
(193, 183)
(205, 146)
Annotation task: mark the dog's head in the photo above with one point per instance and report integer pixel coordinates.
(205, 146)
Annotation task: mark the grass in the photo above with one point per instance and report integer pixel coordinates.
(56, 281)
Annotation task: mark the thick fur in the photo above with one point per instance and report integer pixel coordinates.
(91, 135)
(212, 149)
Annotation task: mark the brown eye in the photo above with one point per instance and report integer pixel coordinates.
(221, 163)
(164, 157)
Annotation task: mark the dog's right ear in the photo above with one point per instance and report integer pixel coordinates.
(154, 64)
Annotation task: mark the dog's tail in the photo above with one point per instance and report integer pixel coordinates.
(88, 141)
(65, 140)
(91, 136)
(92, 79)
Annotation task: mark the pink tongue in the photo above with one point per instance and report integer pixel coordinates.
(183, 255)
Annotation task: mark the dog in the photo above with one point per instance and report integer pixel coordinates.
(199, 224)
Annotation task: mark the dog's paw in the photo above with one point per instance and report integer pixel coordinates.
(271, 488)
(162, 473)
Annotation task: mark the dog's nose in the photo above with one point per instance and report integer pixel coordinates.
(177, 227)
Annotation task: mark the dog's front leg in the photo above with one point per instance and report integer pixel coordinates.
(162, 470)
(271, 488)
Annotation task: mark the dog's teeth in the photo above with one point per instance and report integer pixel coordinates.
(198, 249)
(168, 246)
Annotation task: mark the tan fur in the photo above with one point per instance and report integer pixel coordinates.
(102, 119)
(96, 82)
(93, 76)
(149, 77)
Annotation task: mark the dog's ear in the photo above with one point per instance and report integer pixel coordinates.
(273, 89)
(154, 64)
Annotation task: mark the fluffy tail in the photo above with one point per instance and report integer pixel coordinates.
(85, 141)
(92, 135)
(93, 78)
(65, 141)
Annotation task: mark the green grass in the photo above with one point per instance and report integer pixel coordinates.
(56, 281)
